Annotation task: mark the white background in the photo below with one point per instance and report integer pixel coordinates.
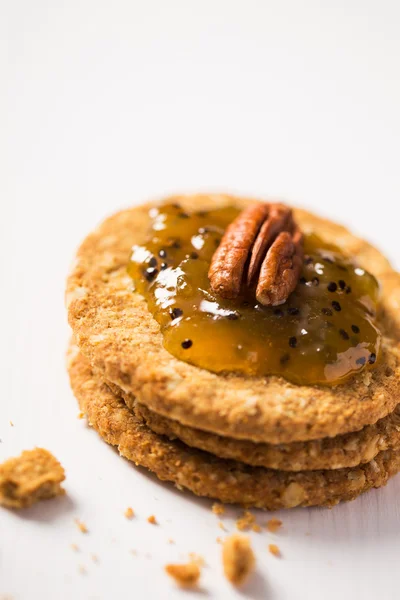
(105, 104)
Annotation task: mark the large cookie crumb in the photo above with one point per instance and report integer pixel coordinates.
(238, 558)
(33, 476)
(186, 575)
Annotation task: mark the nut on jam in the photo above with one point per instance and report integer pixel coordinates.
(323, 333)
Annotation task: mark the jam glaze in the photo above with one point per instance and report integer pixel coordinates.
(323, 334)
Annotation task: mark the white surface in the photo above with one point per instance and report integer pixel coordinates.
(107, 103)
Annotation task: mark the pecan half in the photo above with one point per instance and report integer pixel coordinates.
(263, 245)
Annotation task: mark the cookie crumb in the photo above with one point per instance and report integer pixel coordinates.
(151, 519)
(197, 559)
(219, 540)
(238, 558)
(81, 415)
(81, 526)
(129, 513)
(75, 547)
(95, 558)
(218, 508)
(34, 475)
(185, 575)
(171, 541)
(246, 521)
(274, 549)
(133, 552)
(273, 525)
(256, 528)
(221, 526)
(12, 424)
(82, 569)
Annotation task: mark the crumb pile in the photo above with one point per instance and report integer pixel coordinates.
(257, 441)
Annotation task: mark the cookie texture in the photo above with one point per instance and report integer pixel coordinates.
(117, 333)
(34, 475)
(207, 475)
(347, 450)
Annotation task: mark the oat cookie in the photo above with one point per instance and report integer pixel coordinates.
(347, 450)
(117, 333)
(207, 475)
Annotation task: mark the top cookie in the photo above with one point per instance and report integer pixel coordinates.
(117, 333)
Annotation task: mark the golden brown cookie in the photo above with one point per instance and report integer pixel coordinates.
(207, 475)
(348, 450)
(117, 333)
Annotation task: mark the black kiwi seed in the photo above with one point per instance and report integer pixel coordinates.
(332, 286)
(150, 273)
(176, 312)
(152, 262)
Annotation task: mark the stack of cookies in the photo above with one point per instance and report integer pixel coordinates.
(257, 440)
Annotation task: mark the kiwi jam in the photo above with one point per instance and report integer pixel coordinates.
(322, 334)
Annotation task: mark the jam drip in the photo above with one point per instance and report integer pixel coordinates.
(323, 334)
